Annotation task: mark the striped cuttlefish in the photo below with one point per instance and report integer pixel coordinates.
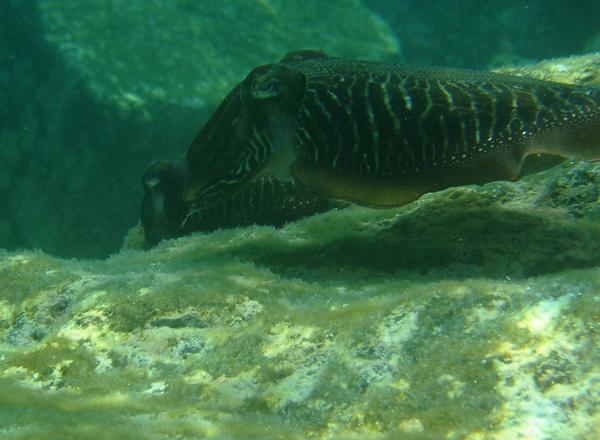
(381, 134)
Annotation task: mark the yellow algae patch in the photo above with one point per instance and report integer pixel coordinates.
(33, 379)
(400, 385)
(455, 387)
(7, 311)
(21, 374)
(411, 426)
(198, 377)
(283, 338)
(91, 327)
(117, 399)
(531, 377)
(541, 318)
(398, 327)
(90, 299)
(479, 316)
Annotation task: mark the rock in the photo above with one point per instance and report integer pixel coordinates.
(190, 53)
(471, 313)
(582, 69)
(593, 45)
(496, 33)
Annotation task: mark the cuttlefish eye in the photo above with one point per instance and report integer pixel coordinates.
(265, 88)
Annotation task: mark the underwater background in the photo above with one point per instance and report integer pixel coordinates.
(472, 313)
(94, 91)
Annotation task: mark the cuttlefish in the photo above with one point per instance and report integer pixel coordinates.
(382, 134)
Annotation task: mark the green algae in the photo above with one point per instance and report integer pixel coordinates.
(484, 320)
(426, 397)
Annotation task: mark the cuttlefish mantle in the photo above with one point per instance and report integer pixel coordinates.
(382, 134)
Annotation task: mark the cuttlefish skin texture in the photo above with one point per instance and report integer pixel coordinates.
(382, 134)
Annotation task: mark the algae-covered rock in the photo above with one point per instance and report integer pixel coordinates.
(495, 33)
(190, 53)
(472, 313)
(583, 69)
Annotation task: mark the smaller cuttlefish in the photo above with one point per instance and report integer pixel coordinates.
(382, 134)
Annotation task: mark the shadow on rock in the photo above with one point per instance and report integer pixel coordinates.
(440, 241)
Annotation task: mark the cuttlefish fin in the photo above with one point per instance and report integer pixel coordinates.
(386, 192)
(581, 142)
(370, 192)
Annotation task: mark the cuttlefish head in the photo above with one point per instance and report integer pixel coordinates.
(252, 126)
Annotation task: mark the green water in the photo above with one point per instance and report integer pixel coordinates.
(471, 313)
